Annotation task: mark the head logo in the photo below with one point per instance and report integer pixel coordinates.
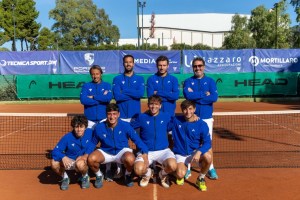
(219, 80)
(31, 83)
(254, 60)
(89, 58)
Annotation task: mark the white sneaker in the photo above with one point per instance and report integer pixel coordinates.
(164, 180)
(145, 179)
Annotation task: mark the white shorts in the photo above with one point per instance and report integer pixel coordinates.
(209, 123)
(108, 158)
(92, 124)
(158, 156)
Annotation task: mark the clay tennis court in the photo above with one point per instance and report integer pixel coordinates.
(234, 183)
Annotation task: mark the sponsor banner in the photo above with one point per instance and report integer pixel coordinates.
(79, 62)
(219, 61)
(54, 86)
(28, 62)
(276, 60)
(261, 84)
(145, 61)
(243, 84)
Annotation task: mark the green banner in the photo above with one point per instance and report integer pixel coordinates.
(242, 84)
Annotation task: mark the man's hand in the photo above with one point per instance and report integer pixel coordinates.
(68, 162)
(196, 157)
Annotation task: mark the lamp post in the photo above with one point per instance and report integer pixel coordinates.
(138, 22)
(146, 42)
(14, 20)
(141, 4)
(276, 25)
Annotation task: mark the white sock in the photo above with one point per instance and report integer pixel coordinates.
(99, 173)
(189, 167)
(65, 175)
(211, 166)
(85, 175)
(148, 173)
(201, 176)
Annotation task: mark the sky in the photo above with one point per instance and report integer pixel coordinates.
(123, 13)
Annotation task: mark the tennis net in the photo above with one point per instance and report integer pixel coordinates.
(241, 139)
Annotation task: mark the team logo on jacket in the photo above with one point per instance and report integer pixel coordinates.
(148, 122)
(123, 82)
(156, 81)
(193, 130)
(179, 126)
(169, 81)
(161, 121)
(73, 144)
(134, 81)
(104, 135)
(86, 141)
(205, 83)
(90, 89)
(120, 132)
(193, 83)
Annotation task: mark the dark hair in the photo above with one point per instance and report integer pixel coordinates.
(96, 67)
(198, 59)
(128, 56)
(162, 58)
(112, 107)
(154, 98)
(187, 103)
(79, 120)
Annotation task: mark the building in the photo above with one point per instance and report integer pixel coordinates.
(207, 28)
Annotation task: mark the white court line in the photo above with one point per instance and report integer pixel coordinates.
(155, 191)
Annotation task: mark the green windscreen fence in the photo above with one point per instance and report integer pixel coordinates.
(241, 84)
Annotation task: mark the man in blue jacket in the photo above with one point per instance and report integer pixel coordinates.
(164, 85)
(71, 152)
(113, 135)
(95, 96)
(128, 89)
(203, 91)
(153, 126)
(192, 143)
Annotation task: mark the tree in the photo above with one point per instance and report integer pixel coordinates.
(296, 4)
(270, 28)
(240, 35)
(81, 24)
(201, 46)
(180, 46)
(18, 22)
(47, 40)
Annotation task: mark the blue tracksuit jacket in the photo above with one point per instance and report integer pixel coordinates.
(71, 146)
(113, 140)
(167, 88)
(190, 136)
(153, 129)
(204, 104)
(94, 109)
(127, 92)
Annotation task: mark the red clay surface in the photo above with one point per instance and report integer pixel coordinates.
(233, 184)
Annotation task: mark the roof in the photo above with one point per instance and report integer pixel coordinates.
(210, 22)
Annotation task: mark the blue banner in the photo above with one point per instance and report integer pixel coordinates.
(276, 60)
(219, 61)
(145, 61)
(29, 62)
(79, 62)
